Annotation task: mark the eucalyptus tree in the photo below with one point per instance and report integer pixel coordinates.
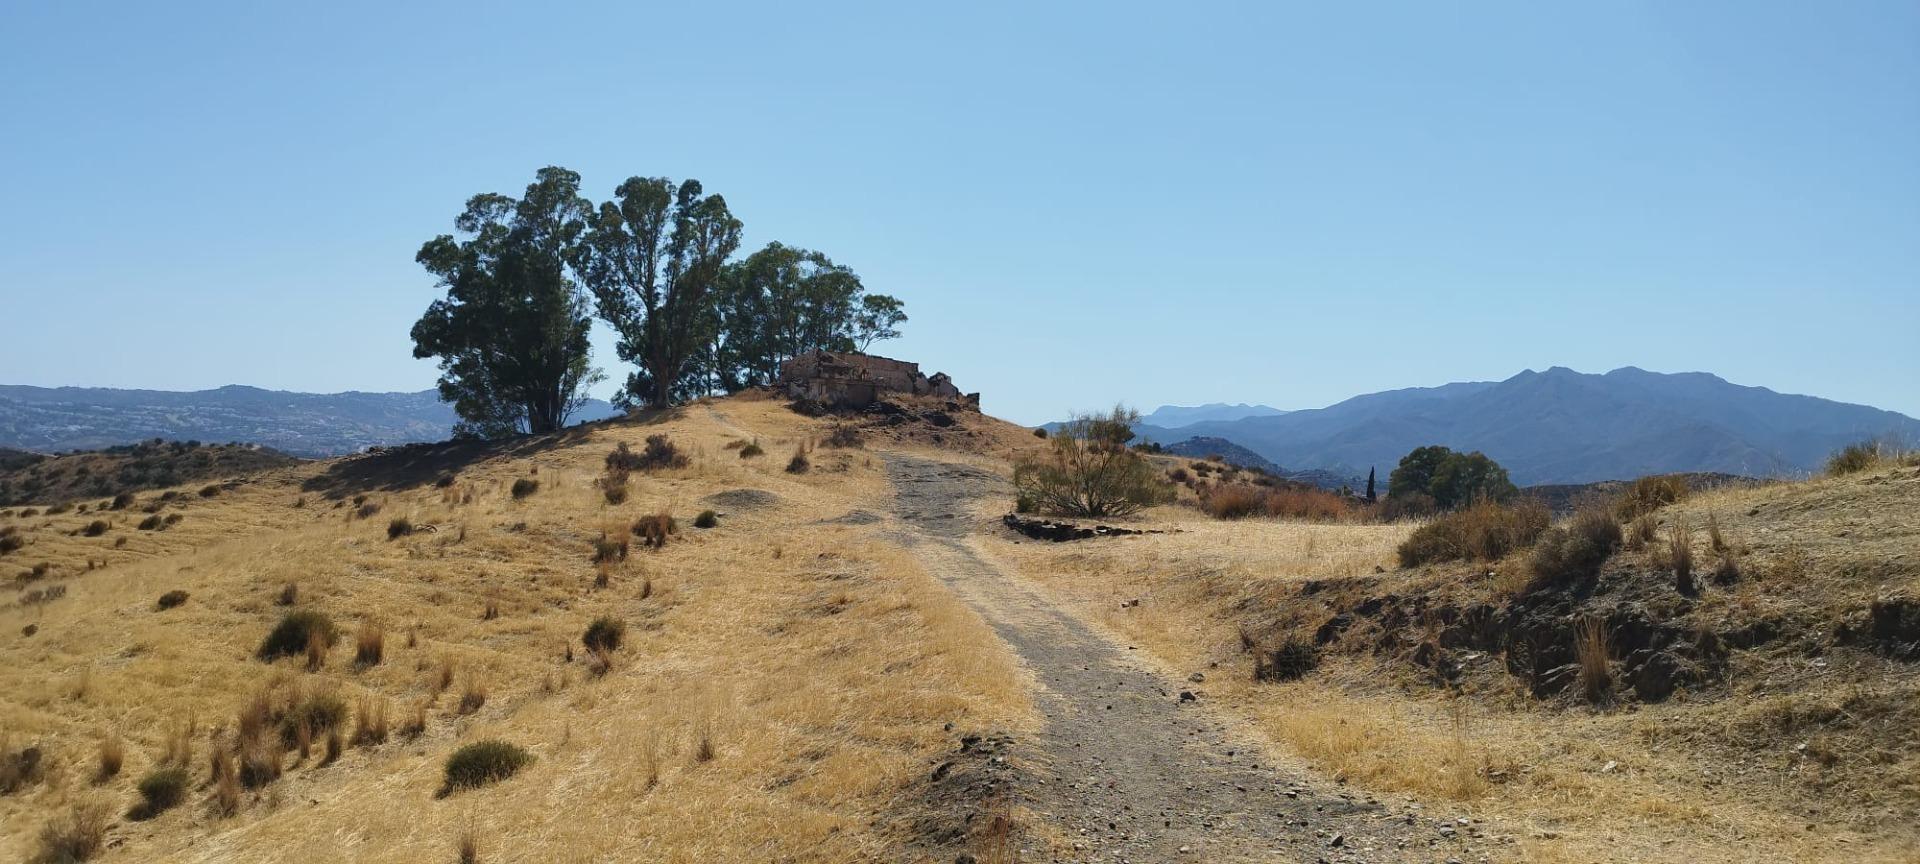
(783, 301)
(651, 259)
(511, 332)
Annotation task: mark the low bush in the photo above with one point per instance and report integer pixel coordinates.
(151, 523)
(1872, 453)
(608, 550)
(21, 769)
(77, 836)
(1648, 494)
(1088, 470)
(401, 526)
(1486, 531)
(706, 519)
(1239, 500)
(209, 491)
(295, 632)
(161, 790)
(654, 530)
(1294, 659)
(1040, 432)
(659, 453)
(752, 449)
(11, 542)
(96, 528)
(121, 501)
(170, 599)
(483, 762)
(523, 487)
(604, 634)
(1573, 553)
(845, 436)
(799, 463)
(314, 714)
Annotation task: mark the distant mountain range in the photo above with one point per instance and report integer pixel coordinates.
(1562, 426)
(50, 420)
(1175, 416)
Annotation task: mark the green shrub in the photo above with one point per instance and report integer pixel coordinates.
(483, 762)
(401, 526)
(523, 487)
(152, 523)
(294, 631)
(161, 790)
(121, 501)
(96, 528)
(1486, 531)
(604, 634)
(171, 599)
(1088, 470)
(706, 519)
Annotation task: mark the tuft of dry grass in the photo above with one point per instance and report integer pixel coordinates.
(473, 696)
(369, 645)
(113, 755)
(1680, 556)
(1593, 654)
(370, 721)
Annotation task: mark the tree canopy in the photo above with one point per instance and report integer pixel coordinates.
(655, 264)
(651, 259)
(511, 332)
(1452, 479)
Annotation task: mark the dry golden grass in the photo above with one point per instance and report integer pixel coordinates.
(1541, 774)
(739, 724)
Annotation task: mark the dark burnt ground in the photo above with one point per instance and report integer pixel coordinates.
(1125, 768)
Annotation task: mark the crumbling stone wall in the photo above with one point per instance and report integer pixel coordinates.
(856, 380)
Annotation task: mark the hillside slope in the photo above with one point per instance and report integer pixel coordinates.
(1561, 426)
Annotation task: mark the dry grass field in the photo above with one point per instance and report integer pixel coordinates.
(1809, 753)
(784, 677)
(787, 676)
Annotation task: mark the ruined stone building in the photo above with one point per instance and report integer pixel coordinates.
(851, 379)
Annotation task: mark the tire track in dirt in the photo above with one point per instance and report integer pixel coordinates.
(1124, 769)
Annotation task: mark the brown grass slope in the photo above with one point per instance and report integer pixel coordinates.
(781, 679)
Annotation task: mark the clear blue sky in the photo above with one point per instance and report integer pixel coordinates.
(1080, 204)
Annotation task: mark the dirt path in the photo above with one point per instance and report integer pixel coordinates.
(1125, 769)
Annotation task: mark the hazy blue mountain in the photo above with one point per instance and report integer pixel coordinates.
(1175, 416)
(1562, 426)
(51, 419)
